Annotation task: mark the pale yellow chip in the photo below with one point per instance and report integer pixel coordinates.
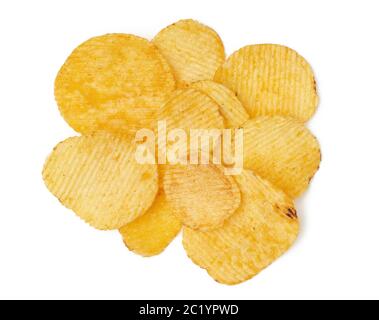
(194, 50)
(231, 108)
(283, 151)
(189, 111)
(264, 227)
(115, 82)
(150, 234)
(271, 80)
(98, 178)
(202, 195)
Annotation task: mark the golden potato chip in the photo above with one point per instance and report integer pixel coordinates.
(151, 233)
(271, 80)
(115, 82)
(264, 227)
(230, 107)
(97, 177)
(282, 151)
(194, 50)
(202, 195)
(191, 109)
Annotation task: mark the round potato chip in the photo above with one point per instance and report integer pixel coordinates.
(191, 109)
(97, 177)
(230, 107)
(282, 151)
(150, 234)
(188, 110)
(262, 229)
(202, 195)
(194, 50)
(271, 80)
(115, 82)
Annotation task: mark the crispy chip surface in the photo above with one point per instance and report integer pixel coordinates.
(202, 194)
(151, 233)
(271, 80)
(194, 50)
(115, 82)
(230, 107)
(189, 110)
(262, 229)
(283, 151)
(97, 177)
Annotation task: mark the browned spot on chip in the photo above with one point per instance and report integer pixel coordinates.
(251, 239)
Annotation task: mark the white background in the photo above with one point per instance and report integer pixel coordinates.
(47, 252)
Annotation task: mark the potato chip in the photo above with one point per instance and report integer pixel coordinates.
(282, 151)
(191, 109)
(115, 82)
(271, 80)
(194, 50)
(150, 234)
(230, 107)
(188, 110)
(97, 177)
(264, 227)
(202, 194)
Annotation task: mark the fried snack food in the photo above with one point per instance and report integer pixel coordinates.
(271, 80)
(231, 108)
(262, 229)
(150, 234)
(228, 137)
(202, 195)
(98, 178)
(191, 109)
(114, 82)
(283, 151)
(194, 50)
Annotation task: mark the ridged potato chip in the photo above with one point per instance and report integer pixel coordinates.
(98, 178)
(187, 110)
(264, 228)
(230, 107)
(150, 234)
(191, 109)
(203, 195)
(271, 80)
(115, 82)
(283, 151)
(194, 50)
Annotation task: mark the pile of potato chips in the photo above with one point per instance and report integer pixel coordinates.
(111, 86)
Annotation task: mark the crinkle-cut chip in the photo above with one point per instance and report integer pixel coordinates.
(264, 228)
(188, 110)
(98, 178)
(230, 107)
(115, 82)
(150, 234)
(202, 195)
(194, 50)
(191, 109)
(283, 151)
(271, 80)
